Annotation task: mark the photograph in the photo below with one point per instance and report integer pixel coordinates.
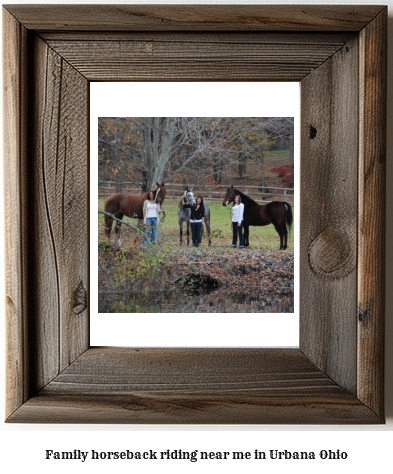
(196, 214)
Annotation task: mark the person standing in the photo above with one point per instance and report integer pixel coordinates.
(197, 220)
(237, 213)
(151, 218)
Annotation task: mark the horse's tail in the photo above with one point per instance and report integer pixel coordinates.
(289, 214)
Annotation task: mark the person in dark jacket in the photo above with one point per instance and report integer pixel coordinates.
(197, 220)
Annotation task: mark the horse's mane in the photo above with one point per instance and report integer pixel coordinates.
(154, 191)
(245, 199)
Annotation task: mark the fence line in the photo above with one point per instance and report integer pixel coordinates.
(209, 192)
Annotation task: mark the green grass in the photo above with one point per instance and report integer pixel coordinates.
(264, 237)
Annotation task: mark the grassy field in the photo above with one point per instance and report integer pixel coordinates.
(264, 238)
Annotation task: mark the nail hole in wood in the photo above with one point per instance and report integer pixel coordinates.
(313, 132)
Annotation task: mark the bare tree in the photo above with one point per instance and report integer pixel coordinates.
(166, 148)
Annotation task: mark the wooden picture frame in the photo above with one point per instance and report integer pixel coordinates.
(338, 54)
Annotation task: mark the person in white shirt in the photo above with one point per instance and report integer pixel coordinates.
(151, 217)
(237, 213)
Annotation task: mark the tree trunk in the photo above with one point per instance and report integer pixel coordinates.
(149, 158)
(118, 156)
(242, 164)
(167, 127)
(218, 164)
(158, 145)
(263, 170)
(291, 150)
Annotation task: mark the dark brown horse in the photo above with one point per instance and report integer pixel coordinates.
(130, 205)
(278, 213)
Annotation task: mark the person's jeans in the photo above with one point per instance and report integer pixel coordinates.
(150, 230)
(196, 232)
(237, 230)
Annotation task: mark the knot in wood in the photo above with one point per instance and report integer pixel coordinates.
(331, 254)
(313, 132)
(364, 315)
(80, 299)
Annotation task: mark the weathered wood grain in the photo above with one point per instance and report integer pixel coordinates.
(193, 386)
(371, 229)
(239, 409)
(195, 18)
(329, 216)
(189, 370)
(59, 174)
(202, 37)
(184, 60)
(15, 40)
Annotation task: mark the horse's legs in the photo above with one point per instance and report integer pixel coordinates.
(208, 232)
(283, 233)
(118, 228)
(108, 226)
(181, 231)
(281, 240)
(278, 230)
(246, 235)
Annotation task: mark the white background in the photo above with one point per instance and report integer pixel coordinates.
(210, 100)
(22, 447)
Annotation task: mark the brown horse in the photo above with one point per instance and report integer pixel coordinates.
(130, 205)
(278, 213)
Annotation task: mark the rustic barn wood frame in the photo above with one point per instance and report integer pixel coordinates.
(338, 54)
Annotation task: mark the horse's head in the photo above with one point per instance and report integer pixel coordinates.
(160, 193)
(189, 197)
(229, 196)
